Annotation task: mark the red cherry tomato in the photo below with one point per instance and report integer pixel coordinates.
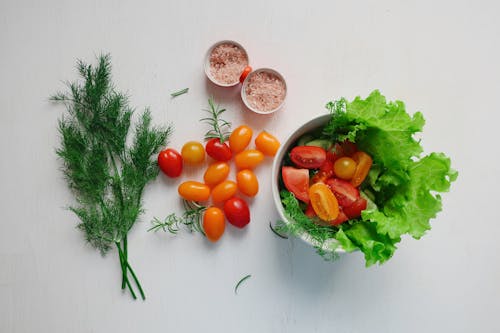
(213, 223)
(237, 212)
(309, 157)
(325, 172)
(217, 150)
(344, 191)
(340, 219)
(170, 162)
(297, 182)
(354, 210)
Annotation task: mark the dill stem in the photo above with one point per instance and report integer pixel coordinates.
(123, 263)
(136, 280)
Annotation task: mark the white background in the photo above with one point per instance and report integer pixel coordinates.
(440, 57)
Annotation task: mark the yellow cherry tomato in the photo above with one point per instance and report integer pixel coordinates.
(224, 191)
(247, 182)
(194, 191)
(216, 173)
(267, 143)
(248, 159)
(214, 223)
(344, 168)
(193, 152)
(323, 202)
(240, 138)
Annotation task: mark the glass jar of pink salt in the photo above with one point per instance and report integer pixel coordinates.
(263, 90)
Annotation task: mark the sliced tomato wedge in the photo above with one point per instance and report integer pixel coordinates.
(309, 157)
(309, 212)
(354, 210)
(344, 191)
(325, 172)
(297, 182)
(341, 218)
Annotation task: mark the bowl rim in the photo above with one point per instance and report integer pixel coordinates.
(245, 84)
(207, 62)
(308, 126)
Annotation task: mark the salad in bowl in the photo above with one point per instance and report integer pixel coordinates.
(354, 179)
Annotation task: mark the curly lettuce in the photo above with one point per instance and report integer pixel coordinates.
(404, 185)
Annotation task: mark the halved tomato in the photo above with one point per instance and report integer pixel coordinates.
(344, 191)
(364, 163)
(309, 157)
(354, 210)
(325, 172)
(341, 218)
(297, 182)
(324, 202)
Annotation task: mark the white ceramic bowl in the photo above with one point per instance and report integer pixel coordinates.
(245, 84)
(309, 126)
(207, 63)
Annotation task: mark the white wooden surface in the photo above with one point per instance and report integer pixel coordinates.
(441, 57)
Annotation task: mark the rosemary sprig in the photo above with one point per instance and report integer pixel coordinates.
(276, 232)
(107, 176)
(220, 127)
(240, 282)
(180, 92)
(191, 218)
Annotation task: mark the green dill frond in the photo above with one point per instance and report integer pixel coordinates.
(220, 128)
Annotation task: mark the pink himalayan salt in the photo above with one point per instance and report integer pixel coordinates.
(265, 91)
(227, 61)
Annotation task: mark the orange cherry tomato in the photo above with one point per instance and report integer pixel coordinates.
(224, 191)
(247, 182)
(267, 143)
(344, 168)
(323, 202)
(214, 223)
(248, 159)
(193, 152)
(240, 138)
(364, 163)
(194, 191)
(216, 173)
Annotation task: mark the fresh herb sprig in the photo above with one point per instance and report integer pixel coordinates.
(180, 92)
(191, 218)
(107, 176)
(220, 127)
(243, 279)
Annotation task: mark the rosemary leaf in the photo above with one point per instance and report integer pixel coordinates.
(180, 92)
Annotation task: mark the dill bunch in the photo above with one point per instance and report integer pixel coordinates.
(106, 175)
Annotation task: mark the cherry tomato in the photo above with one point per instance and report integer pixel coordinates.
(245, 73)
(216, 173)
(240, 138)
(340, 219)
(267, 143)
(170, 162)
(309, 157)
(214, 223)
(237, 212)
(344, 168)
(224, 191)
(194, 191)
(309, 212)
(218, 151)
(297, 182)
(364, 163)
(247, 182)
(354, 210)
(248, 159)
(324, 202)
(325, 172)
(193, 152)
(344, 191)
